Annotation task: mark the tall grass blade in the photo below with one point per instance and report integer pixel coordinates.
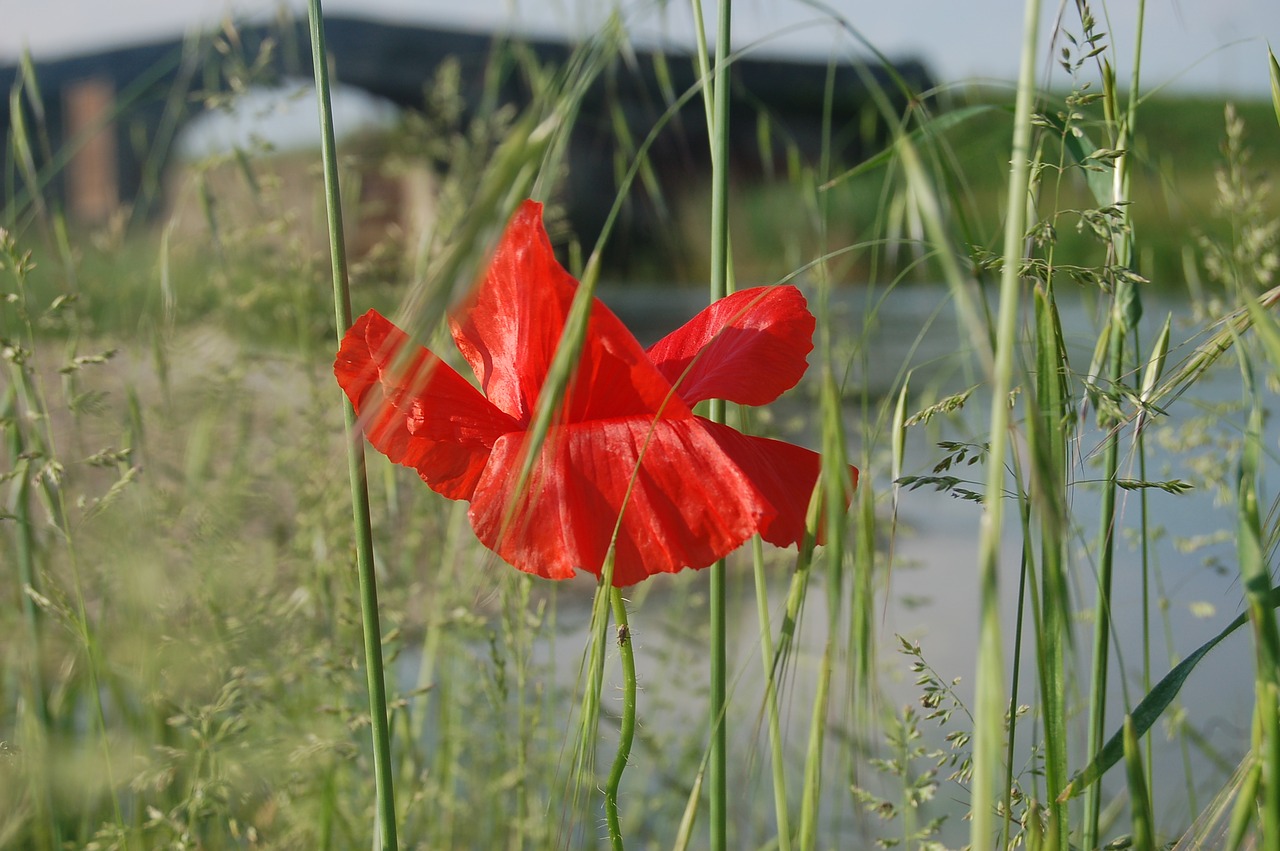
(358, 477)
(1153, 705)
(990, 704)
(1047, 424)
(1143, 830)
(1100, 667)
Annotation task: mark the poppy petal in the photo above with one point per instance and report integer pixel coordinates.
(415, 408)
(689, 504)
(748, 348)
(785, 475)
(509, 330)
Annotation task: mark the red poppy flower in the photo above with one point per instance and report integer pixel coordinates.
(626, 442)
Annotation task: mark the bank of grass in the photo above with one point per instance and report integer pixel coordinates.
(182, 641)
(1177, 152)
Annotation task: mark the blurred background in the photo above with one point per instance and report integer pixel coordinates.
(183, 630)
(1203, 47)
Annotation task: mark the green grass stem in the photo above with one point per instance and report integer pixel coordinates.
(1047, 422)
(813, 755)
(718, 116)
(1255, 577)
(358, 476)
(1125, 310)
(1099, 668)
(772, 718)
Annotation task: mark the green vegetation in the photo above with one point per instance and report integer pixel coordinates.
(181, 629)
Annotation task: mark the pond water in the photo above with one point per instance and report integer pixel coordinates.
(932, 596)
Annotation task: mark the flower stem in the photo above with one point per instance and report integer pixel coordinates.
(626, 734)
(718, 116)
(355, 453)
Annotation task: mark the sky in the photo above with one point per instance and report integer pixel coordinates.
(1189, 45)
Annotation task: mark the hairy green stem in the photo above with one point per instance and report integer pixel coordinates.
(359, 483)
(626, 733)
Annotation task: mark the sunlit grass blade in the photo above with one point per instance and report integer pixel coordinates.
(990, 704)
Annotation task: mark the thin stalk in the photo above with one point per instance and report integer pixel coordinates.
(813, 755)
(520, 647)
(719, 288)
(989, 686)
(626, 733)
(359, 482)
(771, 698)
(1123, 171)
(1015, 682)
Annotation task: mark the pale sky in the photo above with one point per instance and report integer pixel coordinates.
(1200, 45)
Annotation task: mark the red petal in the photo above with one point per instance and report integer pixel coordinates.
(511, 327)
(415, 408)
(689, 505)
(785, 475)
(747, 348)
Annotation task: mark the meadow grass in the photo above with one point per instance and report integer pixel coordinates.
(187, 630)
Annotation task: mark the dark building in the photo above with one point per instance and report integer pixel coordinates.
(102, 125)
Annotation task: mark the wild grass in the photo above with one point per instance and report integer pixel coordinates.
(1063, 505)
